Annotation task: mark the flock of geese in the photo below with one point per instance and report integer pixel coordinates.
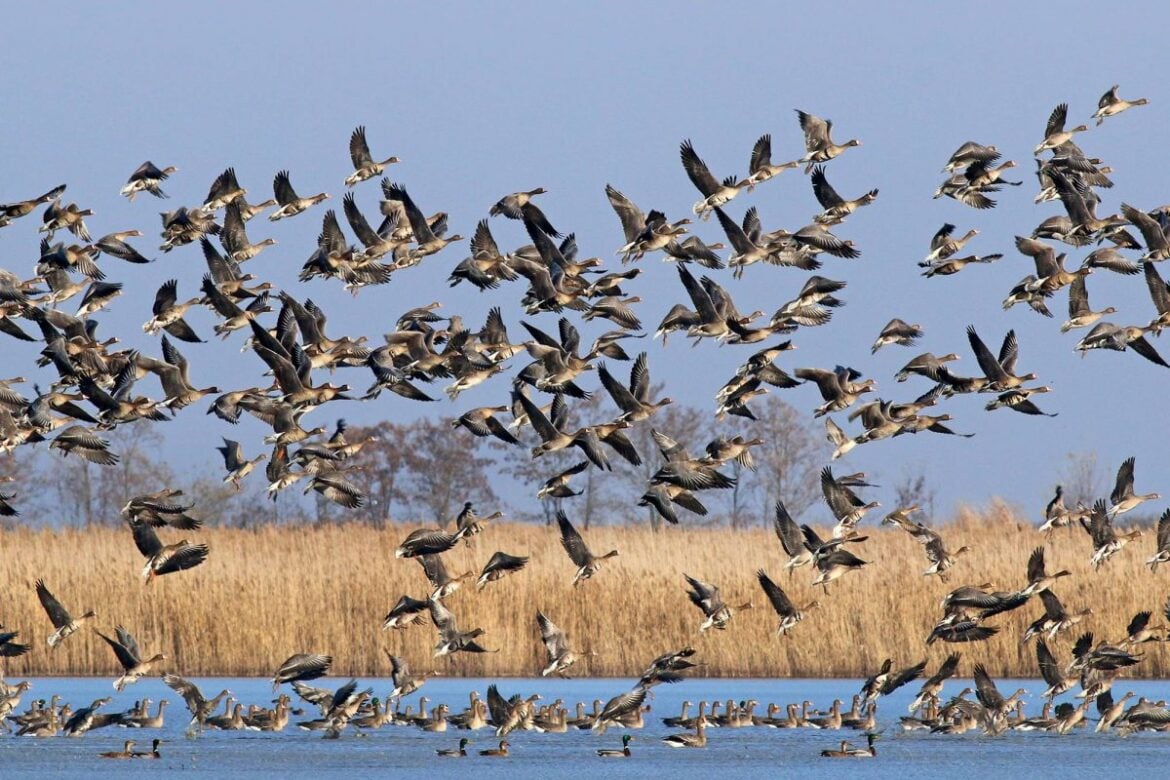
(97, 386)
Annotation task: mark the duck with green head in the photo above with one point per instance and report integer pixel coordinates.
(623, 753)
(459, 752)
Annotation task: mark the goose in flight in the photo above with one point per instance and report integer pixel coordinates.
(427, 541)
(1055, 133)
(301, 666)
(760, 167)
(451, 639)
(201, 708)
(897, 331)
(64, 623)
(707, 598)
(519, 205)
(835, 208)
(969, 153)
(818, 141)
(126, 650)
(500, 565)
(165, 559)
(714, 192)
(587, 563)
(291, 204)
(556, 645)
(147, 178)
(365, 167)
(1107, 542)
(1162, 555)
(1111, 104)
(1123, 498)
(787, 611)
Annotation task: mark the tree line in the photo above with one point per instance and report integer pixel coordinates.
(424, 470)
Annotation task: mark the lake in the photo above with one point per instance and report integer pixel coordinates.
(752, 751)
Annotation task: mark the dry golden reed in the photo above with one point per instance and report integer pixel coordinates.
(265, 594)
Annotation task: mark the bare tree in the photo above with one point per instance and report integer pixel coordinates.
(1084, 478)
(77, 492)
(789, 460)
(384, 465)
(444, 469)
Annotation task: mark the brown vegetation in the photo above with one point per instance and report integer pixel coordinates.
(272, 591)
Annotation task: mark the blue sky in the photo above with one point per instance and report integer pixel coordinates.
(480, 100)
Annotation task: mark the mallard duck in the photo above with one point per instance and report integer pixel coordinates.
(847, 751)
(364, 165)
(624, 752)
(500, 752)
(149, 754)
(125, 752)
(459, 752)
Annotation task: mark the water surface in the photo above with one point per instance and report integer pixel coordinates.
(759, 752)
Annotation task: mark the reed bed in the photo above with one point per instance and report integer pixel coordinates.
(267, 593)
